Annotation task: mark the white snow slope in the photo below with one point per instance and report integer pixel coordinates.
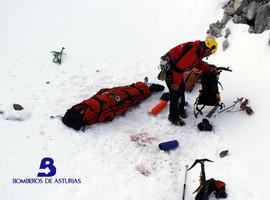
(124, 41)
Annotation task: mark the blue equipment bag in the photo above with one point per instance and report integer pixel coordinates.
(165, 146)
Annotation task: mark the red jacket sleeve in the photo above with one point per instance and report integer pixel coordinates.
(204, 67)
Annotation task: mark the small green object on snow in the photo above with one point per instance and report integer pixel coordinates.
(58, 56)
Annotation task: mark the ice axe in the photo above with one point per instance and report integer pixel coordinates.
(202, 175)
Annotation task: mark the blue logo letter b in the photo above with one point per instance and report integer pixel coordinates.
(47, 163)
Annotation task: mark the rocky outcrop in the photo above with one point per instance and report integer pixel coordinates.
(215, 29)
(225, 43)
(262, 19)
(227, 32)
(255, 13)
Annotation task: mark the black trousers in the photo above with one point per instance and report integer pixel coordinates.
(177, 99)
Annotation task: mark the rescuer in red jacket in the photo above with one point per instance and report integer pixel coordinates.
(179, 59)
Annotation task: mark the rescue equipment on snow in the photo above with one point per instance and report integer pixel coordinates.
(107, 104)
(209, 94)
(162, 104)
(185, 184)
(158, 107)
(243, 106)
(58, 56)
(166, 146)
(208, 186)
(202, 174)
(164, 99)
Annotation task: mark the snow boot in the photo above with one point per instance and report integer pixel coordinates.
(156, 87)
(177, 122)
(183, 114)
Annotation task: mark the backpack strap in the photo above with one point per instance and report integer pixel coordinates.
(128, 96)
(220, 85)
(102, 103)
(186, 49)
(139, 89)
(87, 105)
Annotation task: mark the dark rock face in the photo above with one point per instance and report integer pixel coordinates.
(262, 20)
(215, 29)
(255, 13)
(252, 10)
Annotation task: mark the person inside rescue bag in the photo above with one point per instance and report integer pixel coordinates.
(174, 63)
(108, 103)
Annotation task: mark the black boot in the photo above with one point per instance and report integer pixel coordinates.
(183, 114)
(221, 194)
(177, 122)
(156, 87)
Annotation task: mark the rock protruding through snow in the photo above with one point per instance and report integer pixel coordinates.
(255, 13)
(14, 112)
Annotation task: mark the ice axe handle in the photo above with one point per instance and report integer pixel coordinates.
(224, 69)
(185, 185)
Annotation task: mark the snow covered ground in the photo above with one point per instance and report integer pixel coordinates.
(118, 43)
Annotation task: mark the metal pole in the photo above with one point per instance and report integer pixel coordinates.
(184, 188)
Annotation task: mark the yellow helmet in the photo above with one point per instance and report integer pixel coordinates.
(211, 43)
